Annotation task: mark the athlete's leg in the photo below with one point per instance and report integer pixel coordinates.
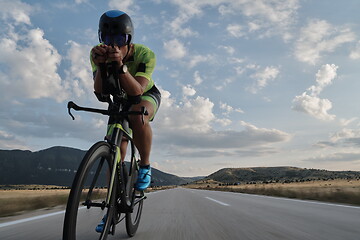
(123, 147)
(142, 131)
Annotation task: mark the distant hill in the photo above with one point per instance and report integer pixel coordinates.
(56, 166)
(277, 174)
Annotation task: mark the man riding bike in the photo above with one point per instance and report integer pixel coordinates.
(135, 64)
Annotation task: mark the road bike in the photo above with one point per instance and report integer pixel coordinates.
(104, 185)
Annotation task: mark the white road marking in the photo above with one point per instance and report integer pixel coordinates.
(292, 199)
(219, 202)
(33, 218)
(37, 217)
(30, 219)
(303, 201)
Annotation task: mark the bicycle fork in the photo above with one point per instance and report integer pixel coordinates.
(116, 161)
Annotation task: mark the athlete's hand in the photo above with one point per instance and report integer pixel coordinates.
(115, 55)
(99, 54)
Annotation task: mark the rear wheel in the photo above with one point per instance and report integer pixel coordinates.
(86, 205)
(133, 219)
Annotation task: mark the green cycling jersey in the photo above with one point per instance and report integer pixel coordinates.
(141, 63)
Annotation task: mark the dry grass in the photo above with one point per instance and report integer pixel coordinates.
(14, 202)
(159, 188)
(338, 191)
(17, 201)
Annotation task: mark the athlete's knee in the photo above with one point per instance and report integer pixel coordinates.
(139, 120)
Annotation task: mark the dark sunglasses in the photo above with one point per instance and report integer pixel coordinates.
(119, 40)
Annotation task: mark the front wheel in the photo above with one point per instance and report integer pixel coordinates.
(87, 204)
(134, 198)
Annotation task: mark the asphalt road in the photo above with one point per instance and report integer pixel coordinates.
(187, 214)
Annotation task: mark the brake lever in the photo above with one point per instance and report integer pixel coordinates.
(69, 106)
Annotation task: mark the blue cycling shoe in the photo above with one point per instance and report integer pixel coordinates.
(144, 178)
(100, 227)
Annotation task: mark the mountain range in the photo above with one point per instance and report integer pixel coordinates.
(57, 166)
(278, 174)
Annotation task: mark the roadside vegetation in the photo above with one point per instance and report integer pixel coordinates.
(22, 198)
(336, 191)
(17, 199)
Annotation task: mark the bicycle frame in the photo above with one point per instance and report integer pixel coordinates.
(115, 132)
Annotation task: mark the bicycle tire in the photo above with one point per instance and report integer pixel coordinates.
(98, 157)
(132, 219)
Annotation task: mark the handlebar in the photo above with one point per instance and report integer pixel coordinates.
(72, 105)
(105, 97)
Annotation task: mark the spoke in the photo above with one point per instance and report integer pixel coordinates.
(95, 178)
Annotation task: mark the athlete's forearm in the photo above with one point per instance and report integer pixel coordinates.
(98, 82)
(130, 85)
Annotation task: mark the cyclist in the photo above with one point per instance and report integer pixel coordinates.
(136, 64)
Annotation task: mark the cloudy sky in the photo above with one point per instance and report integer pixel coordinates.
(244, 83)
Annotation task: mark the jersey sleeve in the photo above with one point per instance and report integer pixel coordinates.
(147, 65)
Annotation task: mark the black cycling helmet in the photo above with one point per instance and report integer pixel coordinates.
(115, 27)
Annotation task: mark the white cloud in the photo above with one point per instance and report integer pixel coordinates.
(189, 124)
(9, 141)
(197, 78)
(230, 50)
(176, 26)
(80, 1)
(339, 157)
(262, 78)
(273, 11)
(345, 122)
(345, 133)
(192, 115)
(314, 106)
(310, 103)
(127, 6)
(345, 138)
(253, 26)
(32, 63)
(264, 17)
(149, 20)
(320, 37)
(196, 59)
(223, 121)
(235, 30)
(264, 135)
(188, 90)
(274, 17)
(16, 11)
(324, 77)
(234, 60)
(229, 109)
(355, 53)
(79, 75)
(174, 49)
(224, 83)
(30, 82)
(187, 10)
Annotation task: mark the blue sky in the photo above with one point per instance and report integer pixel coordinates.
(244, 83)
